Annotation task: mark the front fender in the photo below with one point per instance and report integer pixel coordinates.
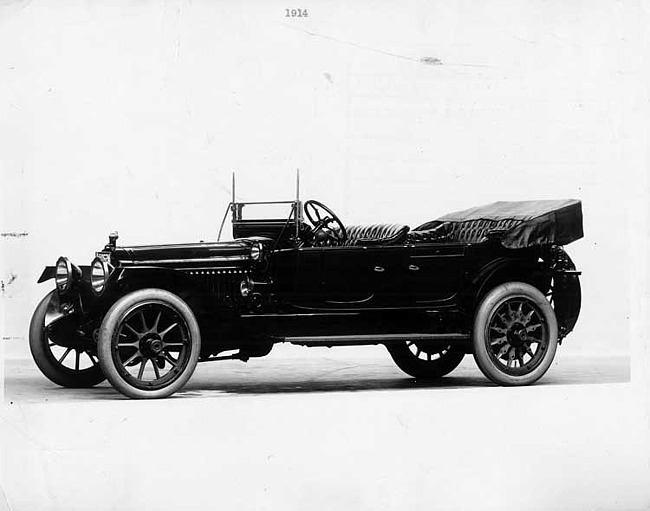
(58, 309)
(48, 273)
(203, 290)
(53, 313)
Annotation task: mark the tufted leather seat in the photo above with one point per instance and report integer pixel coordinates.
(377, 234)
(470, 231)
(475, 231)
(439, 233)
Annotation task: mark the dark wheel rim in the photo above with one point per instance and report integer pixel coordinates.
(517, 336)
(426, 353)
(71, 354)
(152, 346)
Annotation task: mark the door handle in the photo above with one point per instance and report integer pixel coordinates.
(413, 267)
(379, 269)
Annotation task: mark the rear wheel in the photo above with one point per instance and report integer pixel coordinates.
(63, 356)
(149, 344)
(425, 361)
(515, 334)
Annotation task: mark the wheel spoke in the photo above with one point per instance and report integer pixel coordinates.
(64, 355)
(503, 350)
(530, 328)
(500, 340)
(144, 323)
(166, 330)
(167, 344)
(132, 358)
(137, 334)
(141, 371)
(499, 329)
(520, 358)
(170, 359)
(91, 357)
(154, 328)
(155, 368)
(507, 322)
(76, 361)
(123, 344)
(528, 317)
(528, 350)
(530, 339)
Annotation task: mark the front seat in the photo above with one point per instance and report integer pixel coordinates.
(377, 234)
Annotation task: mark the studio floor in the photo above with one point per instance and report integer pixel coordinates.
(330, 429)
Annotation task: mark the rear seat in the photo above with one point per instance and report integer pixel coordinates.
(470, 231)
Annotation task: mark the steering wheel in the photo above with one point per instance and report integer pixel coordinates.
(321, 230)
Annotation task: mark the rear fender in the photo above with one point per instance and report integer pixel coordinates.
(567, 294)
(500, 270)
(556, 272)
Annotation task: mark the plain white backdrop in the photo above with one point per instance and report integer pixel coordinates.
(131, 116)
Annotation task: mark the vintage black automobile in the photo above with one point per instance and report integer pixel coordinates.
(493, 281)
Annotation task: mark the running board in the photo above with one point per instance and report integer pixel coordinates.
(356, 340)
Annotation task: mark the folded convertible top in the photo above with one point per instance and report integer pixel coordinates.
(516, 224)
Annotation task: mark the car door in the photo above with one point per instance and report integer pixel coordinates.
(321, 277)
(364, 277)
(388, 269)
(435, 272)
(343, 277)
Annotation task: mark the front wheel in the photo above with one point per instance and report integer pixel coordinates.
(427, 362)
(515, 334)
(63, 356)
(149, 344)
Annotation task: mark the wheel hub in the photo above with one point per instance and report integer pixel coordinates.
(151, 345)
(516, 335)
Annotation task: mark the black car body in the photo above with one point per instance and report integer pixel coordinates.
(492, 281)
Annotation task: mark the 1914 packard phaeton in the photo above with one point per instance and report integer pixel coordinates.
(492, 281)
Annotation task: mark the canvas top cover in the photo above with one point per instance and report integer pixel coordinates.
(517, 224)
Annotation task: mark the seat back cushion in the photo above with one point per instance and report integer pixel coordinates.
(377, 234)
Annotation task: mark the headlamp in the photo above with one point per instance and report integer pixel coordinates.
(65, 274)
(99, 272)
(256, 251)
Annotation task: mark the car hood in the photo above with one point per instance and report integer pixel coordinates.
(214, 254)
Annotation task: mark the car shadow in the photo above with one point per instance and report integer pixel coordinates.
(382, 377)
(25, 384)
